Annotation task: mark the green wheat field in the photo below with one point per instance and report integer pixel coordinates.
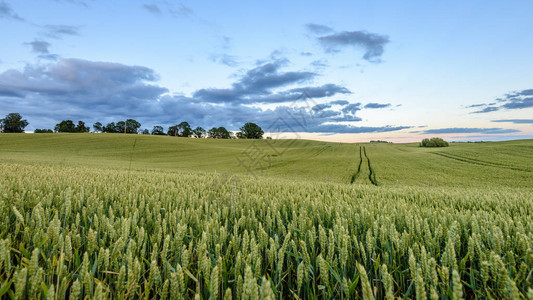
(111, 216)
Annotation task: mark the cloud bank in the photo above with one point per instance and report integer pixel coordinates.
(512, 101)
(103, 91)
(372, 44)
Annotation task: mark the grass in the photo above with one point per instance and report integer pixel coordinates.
(461, 164)
(126, 216)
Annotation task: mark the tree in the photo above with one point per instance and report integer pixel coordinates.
(184, 129)
(98, 127)
(218, 133)
(119, 127)
(252, 131)
(65, 126)
(13, 123)
(199, 132)
(240, 135)
(81, 127)
(43, 131)
(173, 130)
(434, 142)
(132, 126)
(145, 131)
(112, 128)
(158, 130)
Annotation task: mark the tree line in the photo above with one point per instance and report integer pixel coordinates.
(13, 123)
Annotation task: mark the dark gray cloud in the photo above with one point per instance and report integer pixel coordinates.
(514, 100)
(256, 83)
(515, 121)
(486, 110)
(71, 81)
(326, 90)
(102, 91)
(39, 46)
(318, 29)
(59, 31)
(470, 130)
(372, 44)
(152, 8)
(519, 103)
(285, 118)
(6, 12)
(374, 105)
(340, 102)
(476, 105)
(352, 108)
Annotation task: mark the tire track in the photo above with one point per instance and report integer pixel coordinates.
(372, 175)
(356, 174)
(479, 162)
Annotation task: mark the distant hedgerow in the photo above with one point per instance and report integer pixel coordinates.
(434, 142)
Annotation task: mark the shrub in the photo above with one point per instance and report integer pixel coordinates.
(434, 142)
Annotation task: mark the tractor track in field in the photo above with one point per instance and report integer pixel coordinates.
(371, 174)
(479, 162)
(356, 174)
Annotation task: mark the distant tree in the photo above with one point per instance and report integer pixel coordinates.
(158, 130)
(112, 128)
(132, 126)
(252, 131)
(119, 127)
(212, 133)
(145, 131)
(434, 142)
(98, 127)
(184, 129)
(65, 126)
(240, 135)
(199, 132)
(43, 131)
(218, 133)
(81, 127)
(173, 130)
(13, 123)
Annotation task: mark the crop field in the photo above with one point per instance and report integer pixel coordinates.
(115, 216)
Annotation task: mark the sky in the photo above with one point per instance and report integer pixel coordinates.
(343, 71)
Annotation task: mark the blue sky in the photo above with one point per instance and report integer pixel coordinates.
(338, 71)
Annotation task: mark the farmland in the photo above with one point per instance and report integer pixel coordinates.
(128, 216)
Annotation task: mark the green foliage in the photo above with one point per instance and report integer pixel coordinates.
(184, 129)
(85, 216)
(218, 133)
(434, 142)
(13, 123)
(199, 132)
(43, 131)
(100, 232)
(158, 130)
(251, 131)
(98, 127)
(65, 126)
(81, 127)
(130, 126)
